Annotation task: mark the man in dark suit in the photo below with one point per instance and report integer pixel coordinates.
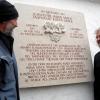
(97, 69)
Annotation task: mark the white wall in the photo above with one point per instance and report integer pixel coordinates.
(82, 91)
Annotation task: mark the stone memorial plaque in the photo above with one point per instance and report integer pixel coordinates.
(51, 47)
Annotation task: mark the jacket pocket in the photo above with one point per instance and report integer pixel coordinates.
(9, 69)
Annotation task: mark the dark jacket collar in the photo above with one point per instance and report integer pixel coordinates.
(8, 41)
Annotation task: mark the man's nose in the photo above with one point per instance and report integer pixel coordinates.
(15, 24)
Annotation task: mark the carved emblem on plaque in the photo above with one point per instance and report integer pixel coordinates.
(54, 31)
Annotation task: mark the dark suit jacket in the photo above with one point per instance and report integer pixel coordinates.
(97, 76)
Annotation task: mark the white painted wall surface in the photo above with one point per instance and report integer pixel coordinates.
(81, 91)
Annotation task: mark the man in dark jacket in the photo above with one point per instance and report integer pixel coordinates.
(9, 88)
(97, 69)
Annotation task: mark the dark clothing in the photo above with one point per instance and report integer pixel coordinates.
(9, 87)
(7, 11)
(97, 76)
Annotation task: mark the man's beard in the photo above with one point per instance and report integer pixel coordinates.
(99, 44)
(9, 29)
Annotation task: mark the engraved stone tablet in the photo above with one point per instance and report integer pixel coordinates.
(51, 47)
